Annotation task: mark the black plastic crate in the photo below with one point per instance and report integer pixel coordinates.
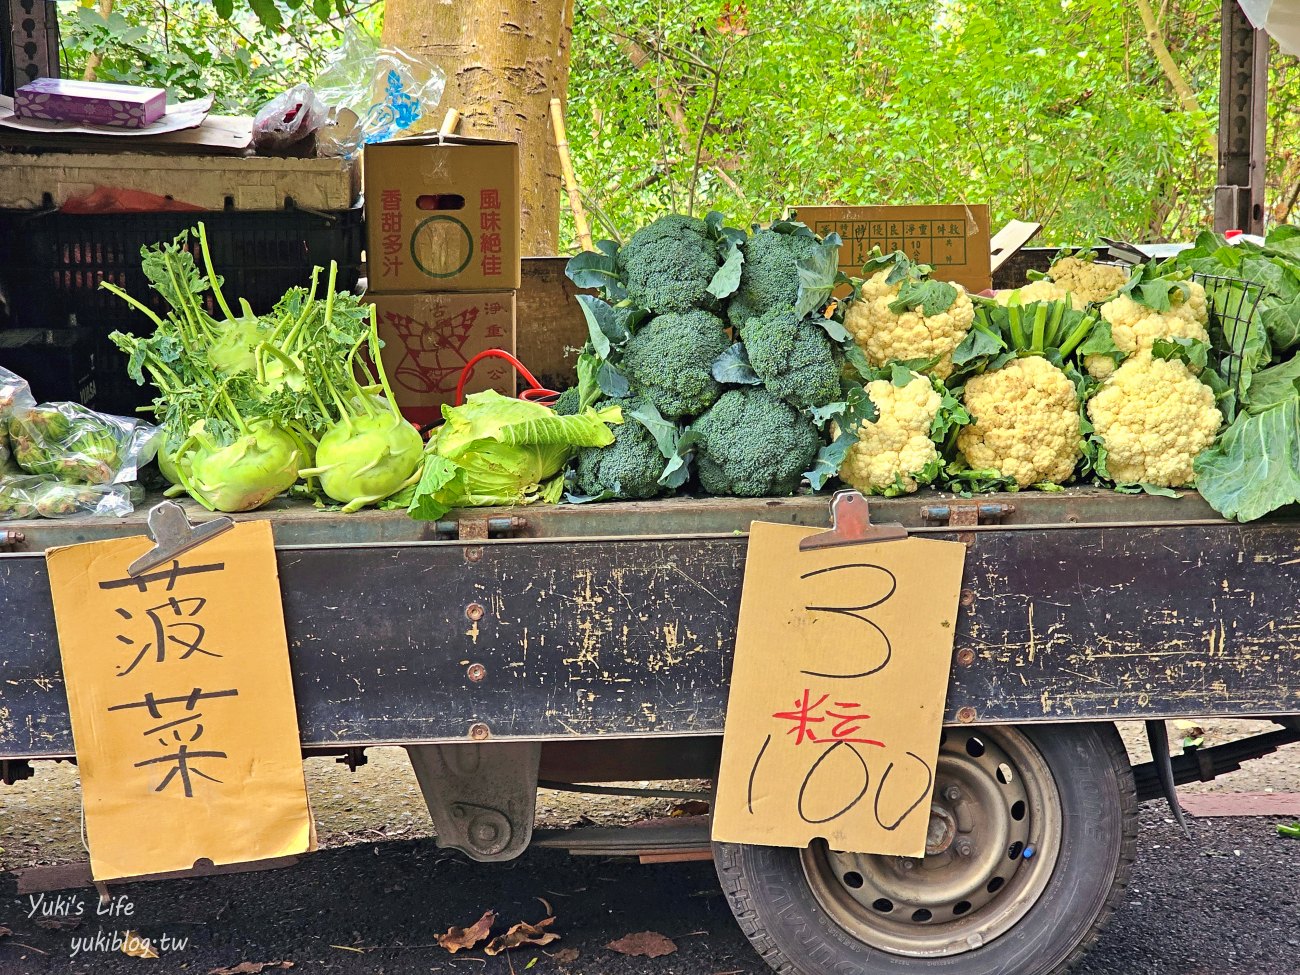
(59, 363)
(51, 266)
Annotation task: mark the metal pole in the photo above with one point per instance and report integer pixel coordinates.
(1243, 123)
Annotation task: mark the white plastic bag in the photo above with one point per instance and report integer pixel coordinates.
(287, 119)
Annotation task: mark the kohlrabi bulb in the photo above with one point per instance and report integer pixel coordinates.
(363, 459)
(248, 472)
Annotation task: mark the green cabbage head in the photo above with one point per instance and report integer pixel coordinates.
(495, 450)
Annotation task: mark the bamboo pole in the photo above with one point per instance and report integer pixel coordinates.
(570, 178)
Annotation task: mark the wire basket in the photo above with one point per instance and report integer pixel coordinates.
(1232, 305)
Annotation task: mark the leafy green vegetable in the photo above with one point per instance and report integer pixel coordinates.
(1274, 385)
(819, 273)
(598, 270)
(1190, 351)
(244, 397)
(498, 450)
(931, 297)
(733, 366)
(1156, 288)
(845, 416)
(1254, 468)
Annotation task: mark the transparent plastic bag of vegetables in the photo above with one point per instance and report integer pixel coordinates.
(75, 443)
(32, 496)
(15, 398)
(495, 450)
(15, 395)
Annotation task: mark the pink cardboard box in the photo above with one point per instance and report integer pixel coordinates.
(96, 103)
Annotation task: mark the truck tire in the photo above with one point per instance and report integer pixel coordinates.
(1032, 837)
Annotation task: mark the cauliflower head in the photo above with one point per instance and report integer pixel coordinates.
(1041, 290)
(1086, 281)
(1154, 416)
(885, 335)
(1025, 423)
(1135, 327)
(894, 453)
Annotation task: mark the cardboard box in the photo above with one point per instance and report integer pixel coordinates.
(429, 338)
(953, 239)
(442, 214)
(90, 102)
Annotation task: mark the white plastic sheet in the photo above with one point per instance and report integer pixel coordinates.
(1281, 18)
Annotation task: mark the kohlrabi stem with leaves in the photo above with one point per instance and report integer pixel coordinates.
(246, 399)
(370, 452)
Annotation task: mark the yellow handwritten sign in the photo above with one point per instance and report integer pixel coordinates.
(182, 707)
(837, 692)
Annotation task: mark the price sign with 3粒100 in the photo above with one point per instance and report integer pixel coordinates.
(837, 692)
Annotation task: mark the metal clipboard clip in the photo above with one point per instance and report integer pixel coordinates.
(851, 525)
(173, 536)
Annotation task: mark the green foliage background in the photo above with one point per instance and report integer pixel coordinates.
(1050, 110)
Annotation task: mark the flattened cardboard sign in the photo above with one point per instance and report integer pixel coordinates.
(182, 705)
(952, 238)
(837, 692)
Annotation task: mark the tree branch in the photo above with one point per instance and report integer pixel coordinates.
(96, 59)
(1155, 38)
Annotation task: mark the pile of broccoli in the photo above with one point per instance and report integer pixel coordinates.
(706, 340)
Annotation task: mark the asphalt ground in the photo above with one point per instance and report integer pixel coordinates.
(1223, 902)
(376, 897)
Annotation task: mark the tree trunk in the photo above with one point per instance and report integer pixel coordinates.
(505, 60)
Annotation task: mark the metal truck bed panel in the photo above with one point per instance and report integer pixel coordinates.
(632, 635)
(299, 523)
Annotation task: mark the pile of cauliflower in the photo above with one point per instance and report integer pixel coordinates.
(1089, 371)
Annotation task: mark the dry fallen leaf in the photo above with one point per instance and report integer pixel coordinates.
(457, 939)
(732, 19)
(690, 807)
(523, 933)
(137, 946)
(251, 967)
(4, 932)
(58, 923)
(565, 956)
(646, 944)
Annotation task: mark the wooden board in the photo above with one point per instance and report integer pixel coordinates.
(30, 181)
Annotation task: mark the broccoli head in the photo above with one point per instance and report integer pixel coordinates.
(568, 402)
(769, 277)
(629, 467)
(796, 360)
(752, 445)
(669, 264)
(669, 361)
